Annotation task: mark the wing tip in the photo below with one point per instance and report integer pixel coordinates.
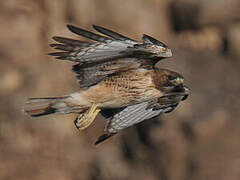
(57, 54)
(103, 138)
(87, 34)
(154, 41)
(69, 26)
(99, 28)
(95, 26)
(56, 38)
(76, 29)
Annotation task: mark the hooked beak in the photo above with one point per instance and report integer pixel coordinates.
(178, 81)
(186, 89)
(168, 53)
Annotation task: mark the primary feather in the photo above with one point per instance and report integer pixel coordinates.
(108, 48)
(112, 53)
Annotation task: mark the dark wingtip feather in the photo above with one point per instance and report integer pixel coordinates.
(70, 42)
(52, 54)
(99, 28)
(111, 33)
(185, 97)
(63, 47)
(103, 138)
(56, 38)
(76, 68)
(78, 31)
(59, 54)
(87, 34)
(53, 45)
(72, 28)
(63, 58)
(108, 32)
(95, 26)
(153, 40)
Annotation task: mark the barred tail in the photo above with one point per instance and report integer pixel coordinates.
(43, 106)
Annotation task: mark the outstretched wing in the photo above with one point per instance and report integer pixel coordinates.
(112, 53)
(123, 118)
(88, 74)
(109, 47)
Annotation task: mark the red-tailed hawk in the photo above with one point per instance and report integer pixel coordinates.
(114, 73)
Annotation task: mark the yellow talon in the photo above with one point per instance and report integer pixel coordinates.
(84, 120)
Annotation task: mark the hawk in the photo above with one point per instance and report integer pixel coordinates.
(115, 74)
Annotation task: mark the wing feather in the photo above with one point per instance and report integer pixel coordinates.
(72, 42)
(95, 53)
(103, 138)
(113, 47)
(149, 39)
(88, 75)
(64, 47)
(87, 34)
(110, 50)
(127, 117)
(131, 115)
(113, 34)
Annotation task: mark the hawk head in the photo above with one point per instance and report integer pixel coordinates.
(167, 80)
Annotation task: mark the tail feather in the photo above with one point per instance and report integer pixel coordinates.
(43, 106)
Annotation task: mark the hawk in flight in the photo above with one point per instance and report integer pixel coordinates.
(117, 77)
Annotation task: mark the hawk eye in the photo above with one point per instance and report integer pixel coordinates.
(170, 77)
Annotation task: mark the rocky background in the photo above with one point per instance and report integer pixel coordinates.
(199, 140)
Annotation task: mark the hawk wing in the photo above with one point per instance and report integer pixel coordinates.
(109, 47)
(88, 74)
(111, 53)
(123, 118)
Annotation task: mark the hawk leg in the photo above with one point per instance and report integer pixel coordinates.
(84, 120)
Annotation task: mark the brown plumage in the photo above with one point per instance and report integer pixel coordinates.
(115, 73)
(126, 88)
(110, 54)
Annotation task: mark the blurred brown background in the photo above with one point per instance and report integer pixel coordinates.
(199, 140)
